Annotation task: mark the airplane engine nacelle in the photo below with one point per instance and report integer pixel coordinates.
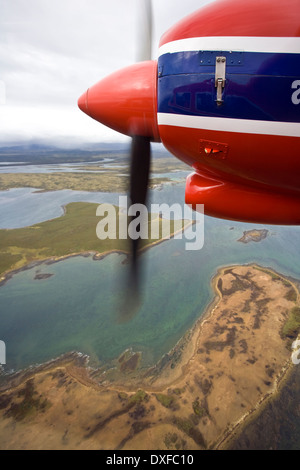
(229, 106)
(126, 100)
(224, 97)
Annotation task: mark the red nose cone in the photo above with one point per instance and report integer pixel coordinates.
(126, 101)
(82, 102)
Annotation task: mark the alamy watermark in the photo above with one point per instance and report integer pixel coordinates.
(2, 353)
(296, 352)
(155, 224)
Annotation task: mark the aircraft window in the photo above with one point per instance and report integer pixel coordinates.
(183, 100)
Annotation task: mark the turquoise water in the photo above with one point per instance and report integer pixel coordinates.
(80, 307)
(22, 207)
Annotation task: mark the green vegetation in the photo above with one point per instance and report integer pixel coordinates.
(273, 275)
(5, 400)
(74, 232)
(7, 260)
(158, 165)
(173, 441)
(220, 345)
(108, 181)
(122, 396)
(198, 409)
(93, 176)
(129, 363)
(187, 426)
(178, 391)
(167, 164)
(42, 154)
(29, 404)
(170, 440)
(246, 308)
(291, 295)
(166, 400)
(292, 325)
(240, 283)
(139, 397)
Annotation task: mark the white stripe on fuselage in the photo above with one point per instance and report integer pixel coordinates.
(245, 126)
(233, 43)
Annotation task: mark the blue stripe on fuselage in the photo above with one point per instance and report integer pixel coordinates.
(258, 85)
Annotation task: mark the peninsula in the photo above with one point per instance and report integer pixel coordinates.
(91, 177)
(74, 233)
(197, 397)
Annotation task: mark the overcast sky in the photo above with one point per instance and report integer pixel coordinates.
(51, 51)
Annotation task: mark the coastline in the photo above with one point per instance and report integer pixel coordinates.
(188, 344)
(254, 236)
(194, 332)
(238, 427)
(97, 256)
(196, 377)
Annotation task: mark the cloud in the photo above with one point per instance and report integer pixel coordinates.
(52, 51)
(64, 125)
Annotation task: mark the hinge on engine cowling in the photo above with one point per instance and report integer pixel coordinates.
(220, 78)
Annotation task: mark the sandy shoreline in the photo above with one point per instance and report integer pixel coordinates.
(97, 256)
(214, 380)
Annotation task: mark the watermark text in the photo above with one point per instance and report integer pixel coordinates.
(161, 222)
(2, 353)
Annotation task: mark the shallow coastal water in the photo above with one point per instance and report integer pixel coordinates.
(21, 207)
(80, 306)
(17, 167)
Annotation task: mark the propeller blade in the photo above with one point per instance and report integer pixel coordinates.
(140, 148)
(139, 178)
(144, 30)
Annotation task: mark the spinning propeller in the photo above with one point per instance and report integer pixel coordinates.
(126, 101)
(140, 155)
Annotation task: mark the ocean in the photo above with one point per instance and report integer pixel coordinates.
(80, 305)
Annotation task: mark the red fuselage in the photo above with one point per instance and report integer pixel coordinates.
(223, 97)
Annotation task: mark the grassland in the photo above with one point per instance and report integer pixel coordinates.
(102, 182)
(200, 402)
(112, 179)
(73, 233)
(292, 325)
(158, 165)
(76, 231)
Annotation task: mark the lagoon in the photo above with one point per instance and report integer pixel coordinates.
(80, 306)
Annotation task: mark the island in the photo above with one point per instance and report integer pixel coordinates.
(93, 177)
(199, 396)
(72, 234)
(254, 236)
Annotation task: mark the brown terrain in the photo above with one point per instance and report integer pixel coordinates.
(198, 396)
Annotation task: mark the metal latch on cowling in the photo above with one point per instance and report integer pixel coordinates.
(220, 78)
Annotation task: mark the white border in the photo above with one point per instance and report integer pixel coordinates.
(245, 126)
(233, 43)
